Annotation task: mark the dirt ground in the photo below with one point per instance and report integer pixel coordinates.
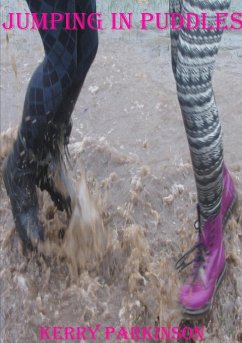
(128, 139)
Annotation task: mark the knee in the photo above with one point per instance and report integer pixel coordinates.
(85, 56)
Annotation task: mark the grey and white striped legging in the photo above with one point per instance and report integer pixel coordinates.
(193, 60)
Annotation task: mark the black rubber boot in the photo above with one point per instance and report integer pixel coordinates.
(51, 173)
(45, 181)
(19, 175)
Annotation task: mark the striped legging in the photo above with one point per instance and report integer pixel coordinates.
(193, 60)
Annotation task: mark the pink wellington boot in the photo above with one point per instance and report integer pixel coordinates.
(196, 295)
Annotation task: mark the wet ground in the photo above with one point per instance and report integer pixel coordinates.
(129, 141)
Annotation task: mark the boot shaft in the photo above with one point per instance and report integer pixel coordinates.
(229, 195)
(44, 136)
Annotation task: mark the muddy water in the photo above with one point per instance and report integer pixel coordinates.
(113, 264)
(125, 276)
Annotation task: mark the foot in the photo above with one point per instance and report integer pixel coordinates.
(196, 295)
(208, 268)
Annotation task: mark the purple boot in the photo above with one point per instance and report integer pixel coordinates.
(196, 296)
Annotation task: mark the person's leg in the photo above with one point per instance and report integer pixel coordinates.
(86, 49)
(69, 55)
(45, 126)
(196, 54)
(193, 65)
(174, 7)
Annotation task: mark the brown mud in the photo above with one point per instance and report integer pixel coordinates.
(124, 276)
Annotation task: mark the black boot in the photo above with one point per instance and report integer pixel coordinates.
(19, 175)
(45, 181)
(51, 174)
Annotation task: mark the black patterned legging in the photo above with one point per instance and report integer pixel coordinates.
(193, 60)
(56, 83)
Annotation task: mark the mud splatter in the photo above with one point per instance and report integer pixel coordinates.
(114, 261)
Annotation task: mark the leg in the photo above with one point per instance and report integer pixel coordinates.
(56, 84)
(49, 102)
(174, 7)
(86, 49)
(193, 65)
(69, 55)
(195, 60)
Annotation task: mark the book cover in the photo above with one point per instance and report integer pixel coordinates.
(103, 105)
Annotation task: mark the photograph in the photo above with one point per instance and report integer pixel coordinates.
(121, 171)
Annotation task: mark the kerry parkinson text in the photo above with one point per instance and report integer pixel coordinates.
(107, 333)
(122, 21)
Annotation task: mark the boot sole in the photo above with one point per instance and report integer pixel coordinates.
(207, 308)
